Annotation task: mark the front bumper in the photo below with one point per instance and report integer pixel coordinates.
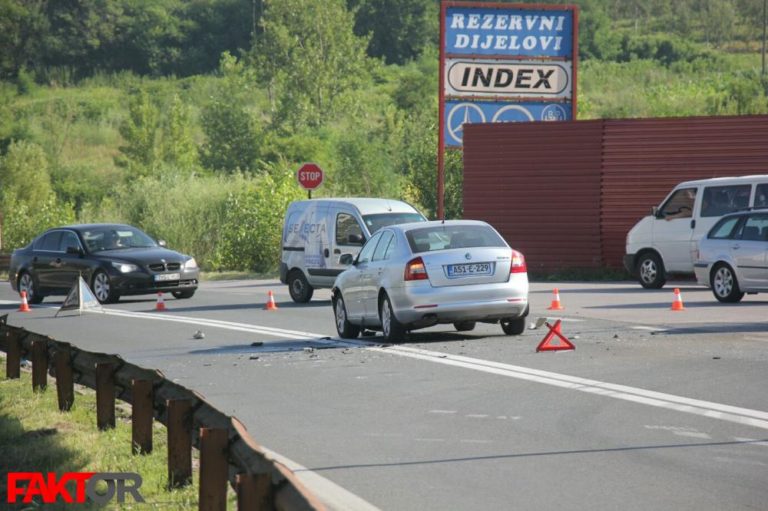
(139, 283)
(629, 263)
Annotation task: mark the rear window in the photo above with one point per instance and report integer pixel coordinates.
(376, 222)
(446, 237)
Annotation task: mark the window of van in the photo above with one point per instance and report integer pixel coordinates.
(346, 224)
(680, 205)
(719, 200)
(761, 196)
(376, 222)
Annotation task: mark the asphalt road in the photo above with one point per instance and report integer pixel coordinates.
(654, 409)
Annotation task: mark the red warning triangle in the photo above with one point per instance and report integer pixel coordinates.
(554, 331)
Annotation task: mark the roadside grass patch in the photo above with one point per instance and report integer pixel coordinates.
(36, 437)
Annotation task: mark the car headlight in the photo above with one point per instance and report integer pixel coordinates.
(125, 267)
(191, 264)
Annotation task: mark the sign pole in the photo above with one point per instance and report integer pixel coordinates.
(441, 122)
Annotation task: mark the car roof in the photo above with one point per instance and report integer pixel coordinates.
(724, 180)
(367, 205)
(85, 227)
(435, 223)
(748, 211)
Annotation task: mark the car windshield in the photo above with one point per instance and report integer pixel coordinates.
(376, 222)
(115, 238)
(444, 237)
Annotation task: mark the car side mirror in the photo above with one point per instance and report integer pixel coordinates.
(655, 211)
(347, 259)
(162, 243)
(356, 239)
(75, 250)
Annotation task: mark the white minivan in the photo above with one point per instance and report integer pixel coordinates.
(665, 242)
(317, 232)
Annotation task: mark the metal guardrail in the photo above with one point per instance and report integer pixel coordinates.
(259, 481)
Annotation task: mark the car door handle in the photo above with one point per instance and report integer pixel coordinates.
(736, 246)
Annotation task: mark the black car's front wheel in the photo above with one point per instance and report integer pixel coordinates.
(183, 294)
(102, 288)
(27, 284)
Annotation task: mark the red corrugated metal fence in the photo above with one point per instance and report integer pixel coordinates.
(566, 193)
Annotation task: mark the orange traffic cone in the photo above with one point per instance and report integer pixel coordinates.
(556, 306)
(677, 305)
(160, 302)
(271, 305)
(24, 307)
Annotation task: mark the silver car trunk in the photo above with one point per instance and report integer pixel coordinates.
(467, 266)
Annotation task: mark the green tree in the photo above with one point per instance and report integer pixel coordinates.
(231, 129)
(139, 132)
(21, 24)
(399, 30)
(309, 58)
(177, 146)
(24, 174)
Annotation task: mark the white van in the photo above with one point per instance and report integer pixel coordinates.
(666, 241)
(317, 232)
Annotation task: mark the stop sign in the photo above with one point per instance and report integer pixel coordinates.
(310, 176)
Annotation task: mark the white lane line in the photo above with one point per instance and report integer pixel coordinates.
(332, 495)
(649, 328)
(229, 325)
(729, 413)
(709, 409)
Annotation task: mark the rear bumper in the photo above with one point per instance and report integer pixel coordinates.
(424, 305)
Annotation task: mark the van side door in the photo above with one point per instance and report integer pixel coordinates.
(347, 237)
(716, 201)
(673, 230)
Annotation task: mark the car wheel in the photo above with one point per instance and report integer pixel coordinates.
(345, 329)
(27, 283)
(392, 329)
(183, 294)
(464, 326)
(102, 288)
(513, 326)
(301, 291)
(725, 287)
(650, 271)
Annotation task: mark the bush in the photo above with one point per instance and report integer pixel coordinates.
(23, 221)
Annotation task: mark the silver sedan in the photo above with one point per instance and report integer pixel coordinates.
(733, 257)
(416, 275)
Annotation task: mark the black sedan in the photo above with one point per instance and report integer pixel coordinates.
(114, 259)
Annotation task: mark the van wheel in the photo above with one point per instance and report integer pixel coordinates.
(650, 271)
(725, 287)
(301, 291)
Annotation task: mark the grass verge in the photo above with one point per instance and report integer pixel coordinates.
(36, 437)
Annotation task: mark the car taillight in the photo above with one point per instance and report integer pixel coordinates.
(518, 263)
(415, 270)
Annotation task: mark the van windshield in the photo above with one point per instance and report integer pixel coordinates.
(376, 222)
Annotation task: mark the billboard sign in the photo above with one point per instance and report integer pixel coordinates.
(506, 63)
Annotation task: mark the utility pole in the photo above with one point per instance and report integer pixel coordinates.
(765, 22)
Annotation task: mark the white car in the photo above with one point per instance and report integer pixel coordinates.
(733, 257)
(416, 275)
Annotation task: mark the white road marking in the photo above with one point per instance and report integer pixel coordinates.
(331, 494)
(751, 441)
(442, 411)
(744, 416)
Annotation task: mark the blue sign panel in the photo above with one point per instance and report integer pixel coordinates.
(458, 113)
(518, 32)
